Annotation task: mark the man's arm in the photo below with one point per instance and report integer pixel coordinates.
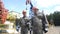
(45, 23)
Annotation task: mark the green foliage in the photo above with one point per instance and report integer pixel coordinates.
(55, 16)
(3, 25)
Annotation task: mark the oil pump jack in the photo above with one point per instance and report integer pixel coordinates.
(3, 13)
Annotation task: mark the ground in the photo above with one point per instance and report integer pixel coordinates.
(54, 30)
(51, 30)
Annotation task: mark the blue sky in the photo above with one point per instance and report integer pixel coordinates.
(49, 6)
(15, 5)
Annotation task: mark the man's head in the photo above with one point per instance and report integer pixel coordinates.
(35, 10)
(24, 12)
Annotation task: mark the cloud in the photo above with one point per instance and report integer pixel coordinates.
(49, 6)
(46, 3)
(57, 8)
(46, 12)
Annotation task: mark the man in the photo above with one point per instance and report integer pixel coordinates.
(23, 23)
(36, 21)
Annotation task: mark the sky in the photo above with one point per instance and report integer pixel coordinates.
(49, 6)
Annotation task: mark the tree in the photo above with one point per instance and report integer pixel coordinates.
(11, 17)
(55, 16)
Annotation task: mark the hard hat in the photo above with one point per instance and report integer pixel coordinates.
(35, 8)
